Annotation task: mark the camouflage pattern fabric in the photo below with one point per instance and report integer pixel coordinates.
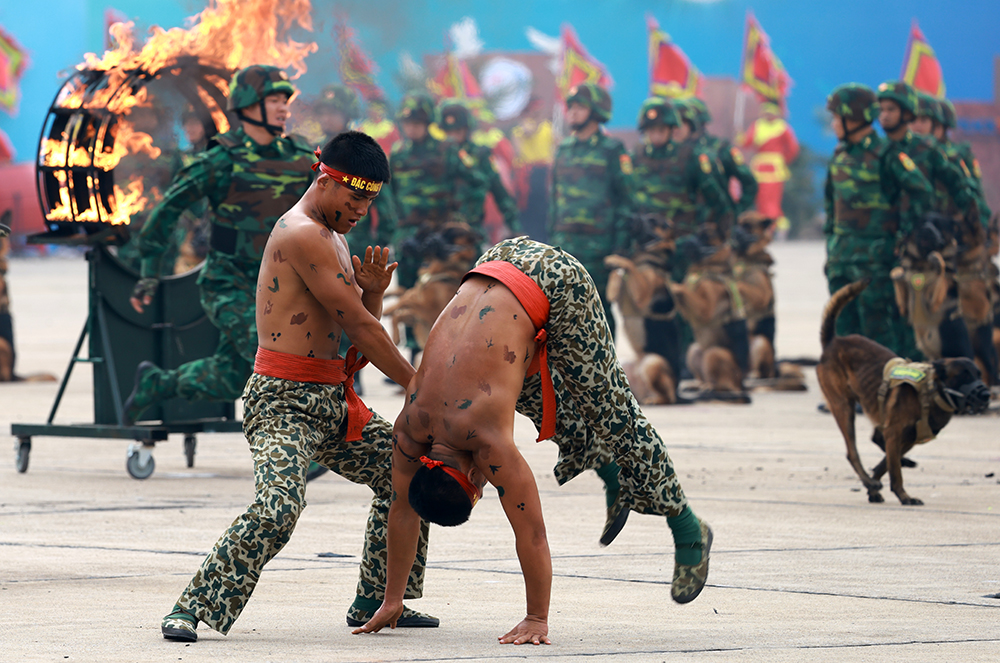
(288, 424)
(952, 192)
(591, 204)
(905, 184)
(472, 192)
(248, 186)
(592, 387)
(961, 155)
(733, 165)
(250, 85)
(862, 231)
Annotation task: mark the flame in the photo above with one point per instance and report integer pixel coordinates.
(124, 205)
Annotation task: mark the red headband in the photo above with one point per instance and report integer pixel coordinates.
(472, 491)
(362, 184)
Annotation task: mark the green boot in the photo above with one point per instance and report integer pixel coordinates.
(152, 385)
(617, 512)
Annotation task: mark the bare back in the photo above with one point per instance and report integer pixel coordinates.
(290, 318)
(472, 370)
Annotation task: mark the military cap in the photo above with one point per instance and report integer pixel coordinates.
(250, 85)
(455, 115)
(341, 99)
(594, 97)
(948, 116)
(656, 111)
(416, 107)
(902, 93)
(855, 102)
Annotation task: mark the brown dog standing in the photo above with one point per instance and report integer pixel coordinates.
(912, 407)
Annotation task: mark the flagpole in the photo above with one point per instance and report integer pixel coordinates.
(739, 111)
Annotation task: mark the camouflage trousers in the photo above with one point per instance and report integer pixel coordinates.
(874, 313)
(229, 299)
(598, 417)
(288, 424)
(591, 250)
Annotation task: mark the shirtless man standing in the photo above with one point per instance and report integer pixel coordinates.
(525, 307)
(300, 405)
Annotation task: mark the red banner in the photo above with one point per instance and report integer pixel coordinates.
(13, 62)
(761, 70)
(921, 68)
(453, 80)
(578, 66)
(671, 74)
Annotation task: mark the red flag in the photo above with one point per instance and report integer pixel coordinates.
(761, 70)
(13, 62)
(453, 80)
(671, 74)
(921, 68)
(578, 66)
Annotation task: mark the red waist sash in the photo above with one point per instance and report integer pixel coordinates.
(536, 304)
(320, 371)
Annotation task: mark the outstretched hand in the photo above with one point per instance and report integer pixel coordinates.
(531, 630)
(373, 275)
(386, 615)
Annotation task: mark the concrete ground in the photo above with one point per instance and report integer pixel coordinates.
(803, 567)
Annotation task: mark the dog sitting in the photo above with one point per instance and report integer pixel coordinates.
(908, 403)
(446, 254)
(640, 287)
(710, 302)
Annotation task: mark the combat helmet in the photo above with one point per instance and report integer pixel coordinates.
(656, 111)
(704, 116)
(416, 107)
(855, 102)
(453, 115)
(687, 112)
(594, 97)
(340, 99)
(949, 118)
(903, 94)
(251, 85)
(928, 106)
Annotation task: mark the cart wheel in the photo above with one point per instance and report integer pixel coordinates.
(23, 450)
(140, 463)
(190, 444)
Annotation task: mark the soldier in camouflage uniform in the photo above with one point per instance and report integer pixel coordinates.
(250, 178)
(862, 200)
(729, 158)
(961, 153)
(426, 175)
(457, 122)
(590, 210)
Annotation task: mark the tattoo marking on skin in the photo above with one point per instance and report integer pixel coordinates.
(527, 354)
(447, 426)
(489, 343)
(413, 397)
(277, 257)
(324, 233)
(332, 336)
(395, 445)
(485, 310)
(344, 279)
(508, 355)
(312, 267)
(275, 337)
(494, 468)
(281, 223)
(309, 335)
(453, 358)
(407, 420)
(430, 438)
(425, 419)
(521, 506)
(340, 314)
(515, 316)
(310, 354)
(500, 491)
(337, 215)
(457, 311)
(488, 288)
(267, 307)
(299, 318)
(464, 405)
(394, 496)
(485, 388)
(471, 434)
(275, 288)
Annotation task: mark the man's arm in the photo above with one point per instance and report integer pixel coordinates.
(315, 259)
(506, 469)
(620, 168)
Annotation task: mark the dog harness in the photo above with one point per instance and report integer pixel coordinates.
(920, 376)
(297, 368)
(536, 304)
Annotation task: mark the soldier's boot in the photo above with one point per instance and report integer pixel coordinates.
(692, 544)
(617, 512)
(180, 626)
(315, 470)
(364, 609)
(152, 385)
